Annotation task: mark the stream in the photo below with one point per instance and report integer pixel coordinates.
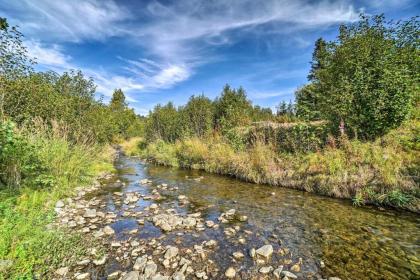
(320, 236)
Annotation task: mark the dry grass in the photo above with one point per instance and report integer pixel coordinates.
(381, 172)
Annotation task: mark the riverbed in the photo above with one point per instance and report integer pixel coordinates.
(312, 237)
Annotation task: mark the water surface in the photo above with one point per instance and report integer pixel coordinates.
(353, 243)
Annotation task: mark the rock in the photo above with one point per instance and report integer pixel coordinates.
(133, 275)
(265, 251)
(83, 276)
(171, 252)
(277, 272)
(322, 264)
(266, 269)
(83, 262)
(101, 261)
(288, 274)
(150, 269)
(333, 278)
(189, 222)
(243, 218)
(230, 273)
(108, 230)
(210, 224)
(114, 275)
(252, 253)
(238, 255)
(160, 277)
(59, 204)
(90, 213)
(140, 263)
(178, 276)
(182, 197)
(62, 271)
(201, 275)
(210, 243)
(153, 206)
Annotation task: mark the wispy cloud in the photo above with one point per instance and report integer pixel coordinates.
(174, 37)
(72, 21)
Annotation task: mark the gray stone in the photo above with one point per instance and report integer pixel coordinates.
(140, 263)
(108, 230)
(265, 251)
(178, 276)
(288, 274)
(160, 277)
(266, 269)
(62, 271)
(114, 275)
(150, 269)
(277, 272)
(171, 252)
(83, 276)
(133, 275)
(59, 204)
(90, 213)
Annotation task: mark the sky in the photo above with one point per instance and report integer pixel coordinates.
(158, 51)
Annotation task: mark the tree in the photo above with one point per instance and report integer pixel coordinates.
(232, 108)
(197, 116)
(118, 102)
(163, 123)
(365, 80)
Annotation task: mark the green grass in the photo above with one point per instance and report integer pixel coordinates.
(383, 172)
(27, 210)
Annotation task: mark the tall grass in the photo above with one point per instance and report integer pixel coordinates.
(27, 209)
(383, 172)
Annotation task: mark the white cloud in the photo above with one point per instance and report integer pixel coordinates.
(49, 56)
(73, 21)
(287, 92)
(175, 37)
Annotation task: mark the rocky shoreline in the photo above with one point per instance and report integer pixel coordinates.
(165, 255)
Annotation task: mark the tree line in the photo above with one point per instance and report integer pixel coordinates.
(70, 98)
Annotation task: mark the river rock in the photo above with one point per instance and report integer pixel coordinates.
(150, 269)
(62, 271)
(108, 230)
(210, 224)
(140, 263)
(288, 274)
(133, 275)
(59, 204)
(333, 278)
(265, 251)
(101, 261)
(160, 277)
(230, 273)
(171, 252)
(83, 276)
(90, 213)
(114, 275)
(277, 272)
(178, 276)
(238, 255)
(266, 269)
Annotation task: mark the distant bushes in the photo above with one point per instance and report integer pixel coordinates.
(374, 172)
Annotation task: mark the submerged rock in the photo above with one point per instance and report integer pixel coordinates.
(133, 275)
(265, 251)
(230, 272)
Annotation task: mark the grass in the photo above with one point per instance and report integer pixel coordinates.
(26, 211)
(384, 172)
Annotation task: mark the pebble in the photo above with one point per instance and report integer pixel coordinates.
(230, 272)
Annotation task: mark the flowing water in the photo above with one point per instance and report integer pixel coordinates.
(353, 243)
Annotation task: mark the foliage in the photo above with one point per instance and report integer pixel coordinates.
(232, 109)
(367, 79)
(197, 116)
(27, 209)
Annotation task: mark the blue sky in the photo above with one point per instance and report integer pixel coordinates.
(159, 51)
